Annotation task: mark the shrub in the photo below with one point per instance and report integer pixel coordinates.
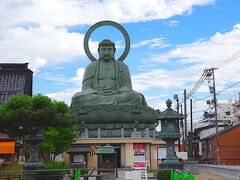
(53, 171)
(57, 165)
(164, 174)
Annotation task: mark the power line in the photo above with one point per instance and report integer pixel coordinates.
(201, 99)
(229, 87)
(197, 85)
(233, 57)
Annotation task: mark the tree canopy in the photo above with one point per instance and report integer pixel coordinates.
(25, 115)
(57, 140)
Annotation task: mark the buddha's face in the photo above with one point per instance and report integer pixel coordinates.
(106, 53)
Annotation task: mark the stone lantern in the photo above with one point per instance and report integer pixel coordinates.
(170, 134)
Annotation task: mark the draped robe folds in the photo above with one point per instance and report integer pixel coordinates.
(120, 87)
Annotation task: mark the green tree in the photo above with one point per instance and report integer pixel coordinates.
(25, 115)
(57, 140)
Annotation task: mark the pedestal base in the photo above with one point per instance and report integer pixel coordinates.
(29, 170)
(34, 165)
(171, 164)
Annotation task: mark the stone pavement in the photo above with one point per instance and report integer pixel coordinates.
(208, 176)
(201, 176)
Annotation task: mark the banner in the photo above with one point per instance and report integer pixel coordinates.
(139, 161)
(138, 152)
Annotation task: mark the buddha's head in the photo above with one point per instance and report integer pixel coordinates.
(106, 50)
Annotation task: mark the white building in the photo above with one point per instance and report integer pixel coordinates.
(236, 109)
(225, 114)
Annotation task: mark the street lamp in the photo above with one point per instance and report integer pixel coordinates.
(175, 97)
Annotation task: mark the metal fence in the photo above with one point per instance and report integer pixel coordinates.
(69, 174)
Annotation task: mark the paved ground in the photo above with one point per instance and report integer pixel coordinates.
(201, 176)
(208, 176)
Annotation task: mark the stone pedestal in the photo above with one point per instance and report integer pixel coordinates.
(33, 163)
(171, 161)
(171, 164)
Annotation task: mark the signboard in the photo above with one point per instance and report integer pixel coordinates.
(140, 165)
(21, 160)
(138, 146)
(136, 175)
(139, 162)
(132, 175)
(143, 174)
(138, 152)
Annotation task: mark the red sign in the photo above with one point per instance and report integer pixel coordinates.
(138, 146)
(141, 165)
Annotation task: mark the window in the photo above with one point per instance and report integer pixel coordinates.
(203, 147)
(210, 147)
(78, 158)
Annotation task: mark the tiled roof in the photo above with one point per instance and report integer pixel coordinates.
(14, 79)
(223, 131)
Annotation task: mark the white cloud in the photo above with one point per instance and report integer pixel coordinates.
(41, 46)
(64, 96)
(36, 64)
(160, 78)
(79, 76)
(172, 23)
(197, 56)
(156, 42)
(36, 31)
(73, 12)
(75, 83)
(207, 51)
(63, 80)
(157, 102)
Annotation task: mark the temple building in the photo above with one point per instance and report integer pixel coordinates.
(15, 78)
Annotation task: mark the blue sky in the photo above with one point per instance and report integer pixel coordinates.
(172, 41)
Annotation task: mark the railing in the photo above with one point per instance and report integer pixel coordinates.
(60, 174)
(230, 172)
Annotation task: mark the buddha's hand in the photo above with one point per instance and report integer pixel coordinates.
(107, 92)
(124, 89)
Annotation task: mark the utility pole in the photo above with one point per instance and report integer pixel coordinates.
(175, 97)
(210, 72)
(191, 116)
(181, 125)
(191, 135)
(185, 120)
